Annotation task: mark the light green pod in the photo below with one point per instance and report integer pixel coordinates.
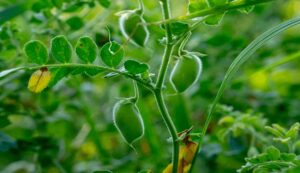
(128, 121)
(186, 72)
(133, 27)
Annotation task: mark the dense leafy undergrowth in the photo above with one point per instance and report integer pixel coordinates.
(140, 86)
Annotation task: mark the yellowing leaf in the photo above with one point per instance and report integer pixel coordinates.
(188, 151)
(39, 80)
(168, 169)
(186, 156)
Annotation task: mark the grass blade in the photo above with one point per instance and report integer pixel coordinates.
(243, 57)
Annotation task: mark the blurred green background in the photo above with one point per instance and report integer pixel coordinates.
(69, 128)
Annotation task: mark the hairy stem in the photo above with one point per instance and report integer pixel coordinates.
(92, 66)
(171, 127)
(221, 9)
(213, 11)
(159, 85)
(169, 47)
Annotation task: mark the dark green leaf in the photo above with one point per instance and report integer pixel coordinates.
(61, 49)
(57, 3)
(75, 23)
(273, 153)
(112, 54)
(287, 156)
(105, 3)
(38, 6)
(73, 7)
(36, 52)
(4, 121)
(135, 67)
(86, 49)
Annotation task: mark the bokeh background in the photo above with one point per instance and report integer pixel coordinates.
(69, 128)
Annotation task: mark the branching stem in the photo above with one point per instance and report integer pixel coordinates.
(159, 85)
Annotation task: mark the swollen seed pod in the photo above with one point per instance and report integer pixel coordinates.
(39, 80)
(128, 121)
(186, 72)
(133, 27)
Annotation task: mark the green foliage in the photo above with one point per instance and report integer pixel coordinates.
(75, 124)
(75, 23)
(280, 156)
(135, 67)
(86, 49)
(36, 52)
(239, 124)
(61, 49)
(198, 5)
(105, 3)
(270, 161)
(112, 54)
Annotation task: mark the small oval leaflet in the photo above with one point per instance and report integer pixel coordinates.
(112, 54)
(135, 67)
(39, 80)
(61, 49)
(86, 49)
(36, 52)
(186, 72)
(128, 121)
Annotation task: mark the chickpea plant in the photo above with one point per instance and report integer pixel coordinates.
(188, 66)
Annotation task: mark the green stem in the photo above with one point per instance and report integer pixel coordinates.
(171, 127)
(221, 9)
(214, 10)
(92, 66)
(136, 96)
(164, 66)
(169, 47)
(159, 85)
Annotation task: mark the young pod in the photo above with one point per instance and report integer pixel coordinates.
(186, 72)
(128, 121)
(133, 27)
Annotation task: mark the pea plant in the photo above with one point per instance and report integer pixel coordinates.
(53, 63)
